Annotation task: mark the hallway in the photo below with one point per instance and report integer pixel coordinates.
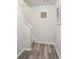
(37, 22)
(40, 51)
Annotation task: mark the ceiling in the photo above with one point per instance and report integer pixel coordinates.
(39, 2)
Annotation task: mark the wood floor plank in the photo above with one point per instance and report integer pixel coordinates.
(41, 51)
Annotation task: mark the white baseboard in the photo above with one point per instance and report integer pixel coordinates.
(24, 49)
(43, 42)
(57, 52)
(27, 49)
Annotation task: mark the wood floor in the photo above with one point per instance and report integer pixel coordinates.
(40, 51)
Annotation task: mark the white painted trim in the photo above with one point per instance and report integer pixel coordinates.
(43, 42)
(57, 52)
(24, 49)
(20, 52)
(27, 49)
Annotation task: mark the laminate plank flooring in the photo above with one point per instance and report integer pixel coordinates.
(40, 51)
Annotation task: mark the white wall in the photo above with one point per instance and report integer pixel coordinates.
(58, 39)
(44, 28)
(23, 32)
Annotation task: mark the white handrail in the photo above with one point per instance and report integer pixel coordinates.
(30, 26)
